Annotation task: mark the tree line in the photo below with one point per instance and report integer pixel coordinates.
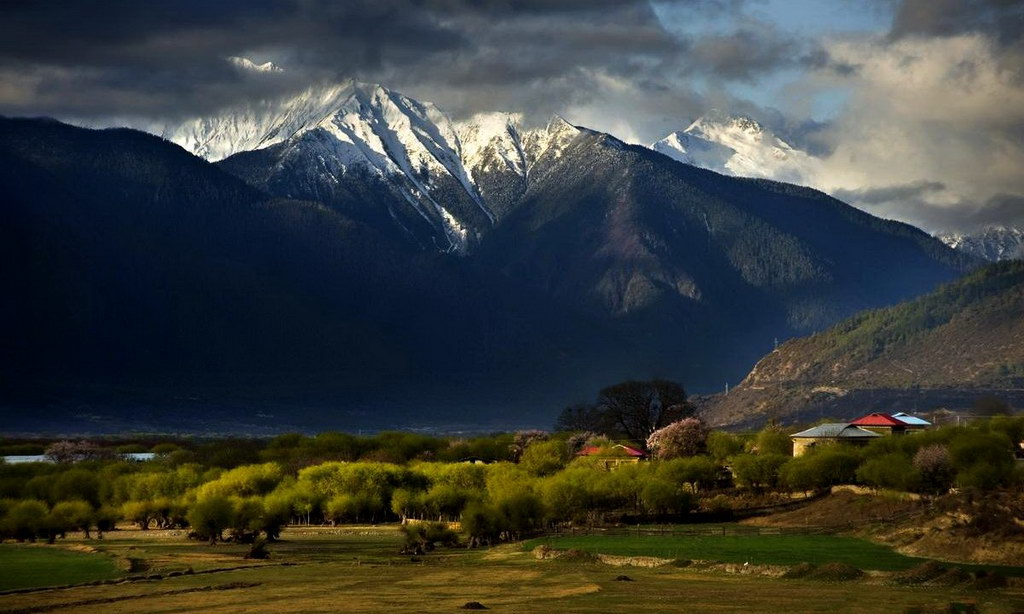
(536, 480)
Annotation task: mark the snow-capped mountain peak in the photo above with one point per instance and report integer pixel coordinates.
(432, 163)
(246, 64)
(492, 141)
(737, 146)
(993, 243)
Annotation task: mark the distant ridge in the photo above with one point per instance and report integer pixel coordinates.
(962, 341)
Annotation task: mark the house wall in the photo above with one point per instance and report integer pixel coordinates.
(802, 445)
(885, 430)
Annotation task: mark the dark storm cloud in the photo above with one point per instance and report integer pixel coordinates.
(889, 194)
(746, 53)
(1004, 18)
(910, 203)
(159, 58)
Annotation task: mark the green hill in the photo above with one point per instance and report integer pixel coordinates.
(959, 342)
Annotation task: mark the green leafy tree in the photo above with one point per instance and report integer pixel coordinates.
(106, 519)
(758, 471)
(138, 512)
(73, 516)
(522, 512)
(545, 457)
(982, 460)
(699, 472)
(635, 409)
(894, 471)
(722, 445)
(25, 520)
(772, 440)
(483, 524)
(210, 516)
(663, 497)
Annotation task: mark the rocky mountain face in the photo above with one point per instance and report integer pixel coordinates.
(944, 349)
(381, 157)
(355, 249)
(992, 244)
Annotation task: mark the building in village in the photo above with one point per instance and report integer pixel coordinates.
(857, 432)
(614, 455)
(829, 434)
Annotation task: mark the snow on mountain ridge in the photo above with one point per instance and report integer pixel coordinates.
(249, 65)
(412, 145)
(994, 243)
(738, 146)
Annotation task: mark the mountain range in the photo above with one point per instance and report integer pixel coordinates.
(357, 258)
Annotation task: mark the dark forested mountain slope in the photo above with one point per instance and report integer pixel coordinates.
(706, 269)
(131, 267)
(965, 336)
(140, 271)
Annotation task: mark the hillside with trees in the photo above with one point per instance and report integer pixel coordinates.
(950, 348)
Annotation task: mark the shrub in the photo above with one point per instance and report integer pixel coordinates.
(798, 571)
(421, 538)
(935, 468)
(835, 572)
(258, 550)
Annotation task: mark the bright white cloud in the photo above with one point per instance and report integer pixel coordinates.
(924, 111)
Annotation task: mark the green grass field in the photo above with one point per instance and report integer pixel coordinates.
(756, 550)
(31, 566)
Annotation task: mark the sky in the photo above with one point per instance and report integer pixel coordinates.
(915, 108)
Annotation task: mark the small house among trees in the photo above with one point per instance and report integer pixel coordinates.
(883, 424)
(830, 433)
(613, 455)
(913, 422)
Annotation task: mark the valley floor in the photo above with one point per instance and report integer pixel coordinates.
(356, 569)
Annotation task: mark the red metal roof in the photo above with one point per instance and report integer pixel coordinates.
(593, 450)
(878, 420)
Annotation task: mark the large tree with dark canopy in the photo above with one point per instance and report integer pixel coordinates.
(630, 409)
(637, 409)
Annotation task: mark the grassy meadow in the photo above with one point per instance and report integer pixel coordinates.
(357, 569)
(753, 549)
(32, 566)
